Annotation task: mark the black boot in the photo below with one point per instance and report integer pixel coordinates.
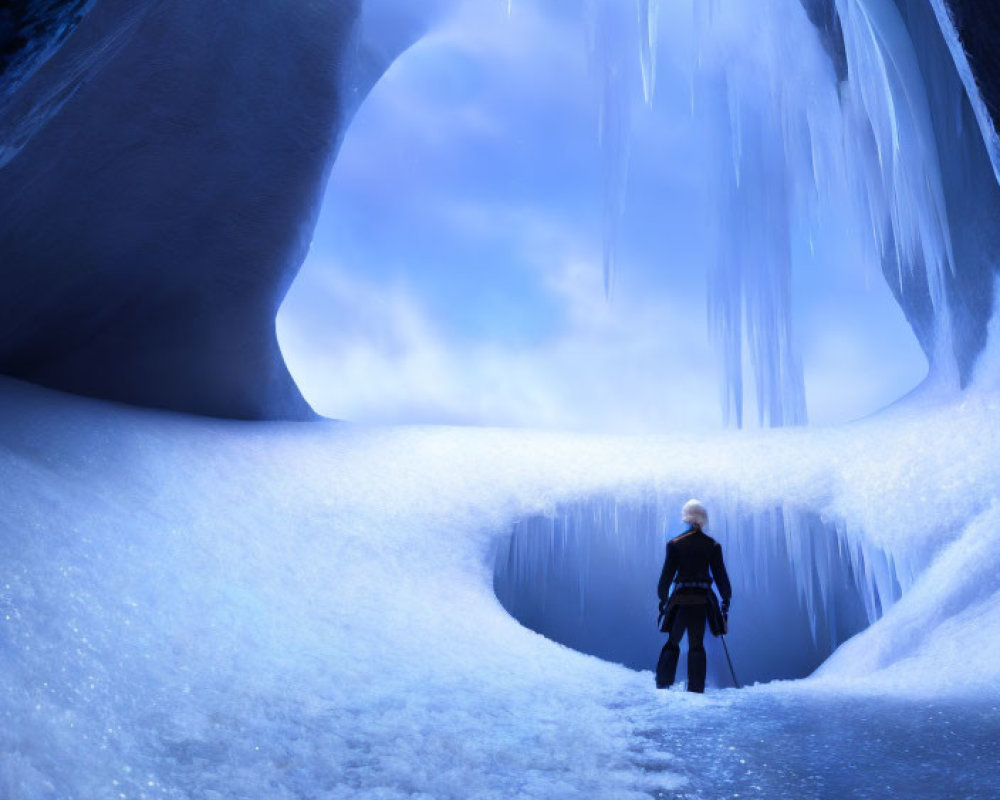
(696, 669)
(666, 667)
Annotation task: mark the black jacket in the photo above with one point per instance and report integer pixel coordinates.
(689, 558)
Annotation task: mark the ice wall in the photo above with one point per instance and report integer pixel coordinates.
(150, 227)
(586, 576)
(160, 176)
(971, 30)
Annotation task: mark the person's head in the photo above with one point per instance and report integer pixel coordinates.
(694, 514)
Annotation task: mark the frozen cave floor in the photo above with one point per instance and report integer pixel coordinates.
(195, 608)
(778, 744)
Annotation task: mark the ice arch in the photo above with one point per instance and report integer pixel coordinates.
(586, 574)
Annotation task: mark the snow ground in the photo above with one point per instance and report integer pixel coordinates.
(196, 608)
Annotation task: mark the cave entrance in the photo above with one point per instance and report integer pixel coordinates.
(585, 576)
(455, 274)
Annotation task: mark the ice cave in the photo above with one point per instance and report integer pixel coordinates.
(307, 496)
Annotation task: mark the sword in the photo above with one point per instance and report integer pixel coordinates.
(730, 661)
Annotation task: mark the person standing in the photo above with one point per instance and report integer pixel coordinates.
(693, 561)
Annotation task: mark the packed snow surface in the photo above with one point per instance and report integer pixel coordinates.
(194, 608)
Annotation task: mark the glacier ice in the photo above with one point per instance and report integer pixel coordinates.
(622, 43)
(971, 194)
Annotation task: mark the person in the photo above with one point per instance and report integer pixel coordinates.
(694, 559)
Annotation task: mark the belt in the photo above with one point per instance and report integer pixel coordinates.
(693, 584)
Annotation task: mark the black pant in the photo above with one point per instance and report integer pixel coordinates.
(691, 619)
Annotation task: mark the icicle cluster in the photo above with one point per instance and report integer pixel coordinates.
(885, 98)
(796, 153)
(586, 575)
(802, 151)
(618, 32)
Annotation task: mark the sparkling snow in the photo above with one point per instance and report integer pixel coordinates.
(209, 609)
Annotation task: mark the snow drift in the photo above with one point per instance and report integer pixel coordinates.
(196, 608)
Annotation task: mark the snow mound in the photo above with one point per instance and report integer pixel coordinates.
(214, 609)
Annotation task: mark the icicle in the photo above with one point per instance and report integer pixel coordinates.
(609, 38)
(648, 18)
(793, 151)
(622, 54)
(567, 571)
(735, 132)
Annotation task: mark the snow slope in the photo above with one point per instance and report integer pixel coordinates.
(196, 608)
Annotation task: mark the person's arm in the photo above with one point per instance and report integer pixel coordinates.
(721, 576)
(667, 573)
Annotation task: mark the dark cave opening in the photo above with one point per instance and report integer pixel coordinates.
(585, 576)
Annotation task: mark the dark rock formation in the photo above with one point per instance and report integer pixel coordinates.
(30, 31)
(978, 24)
